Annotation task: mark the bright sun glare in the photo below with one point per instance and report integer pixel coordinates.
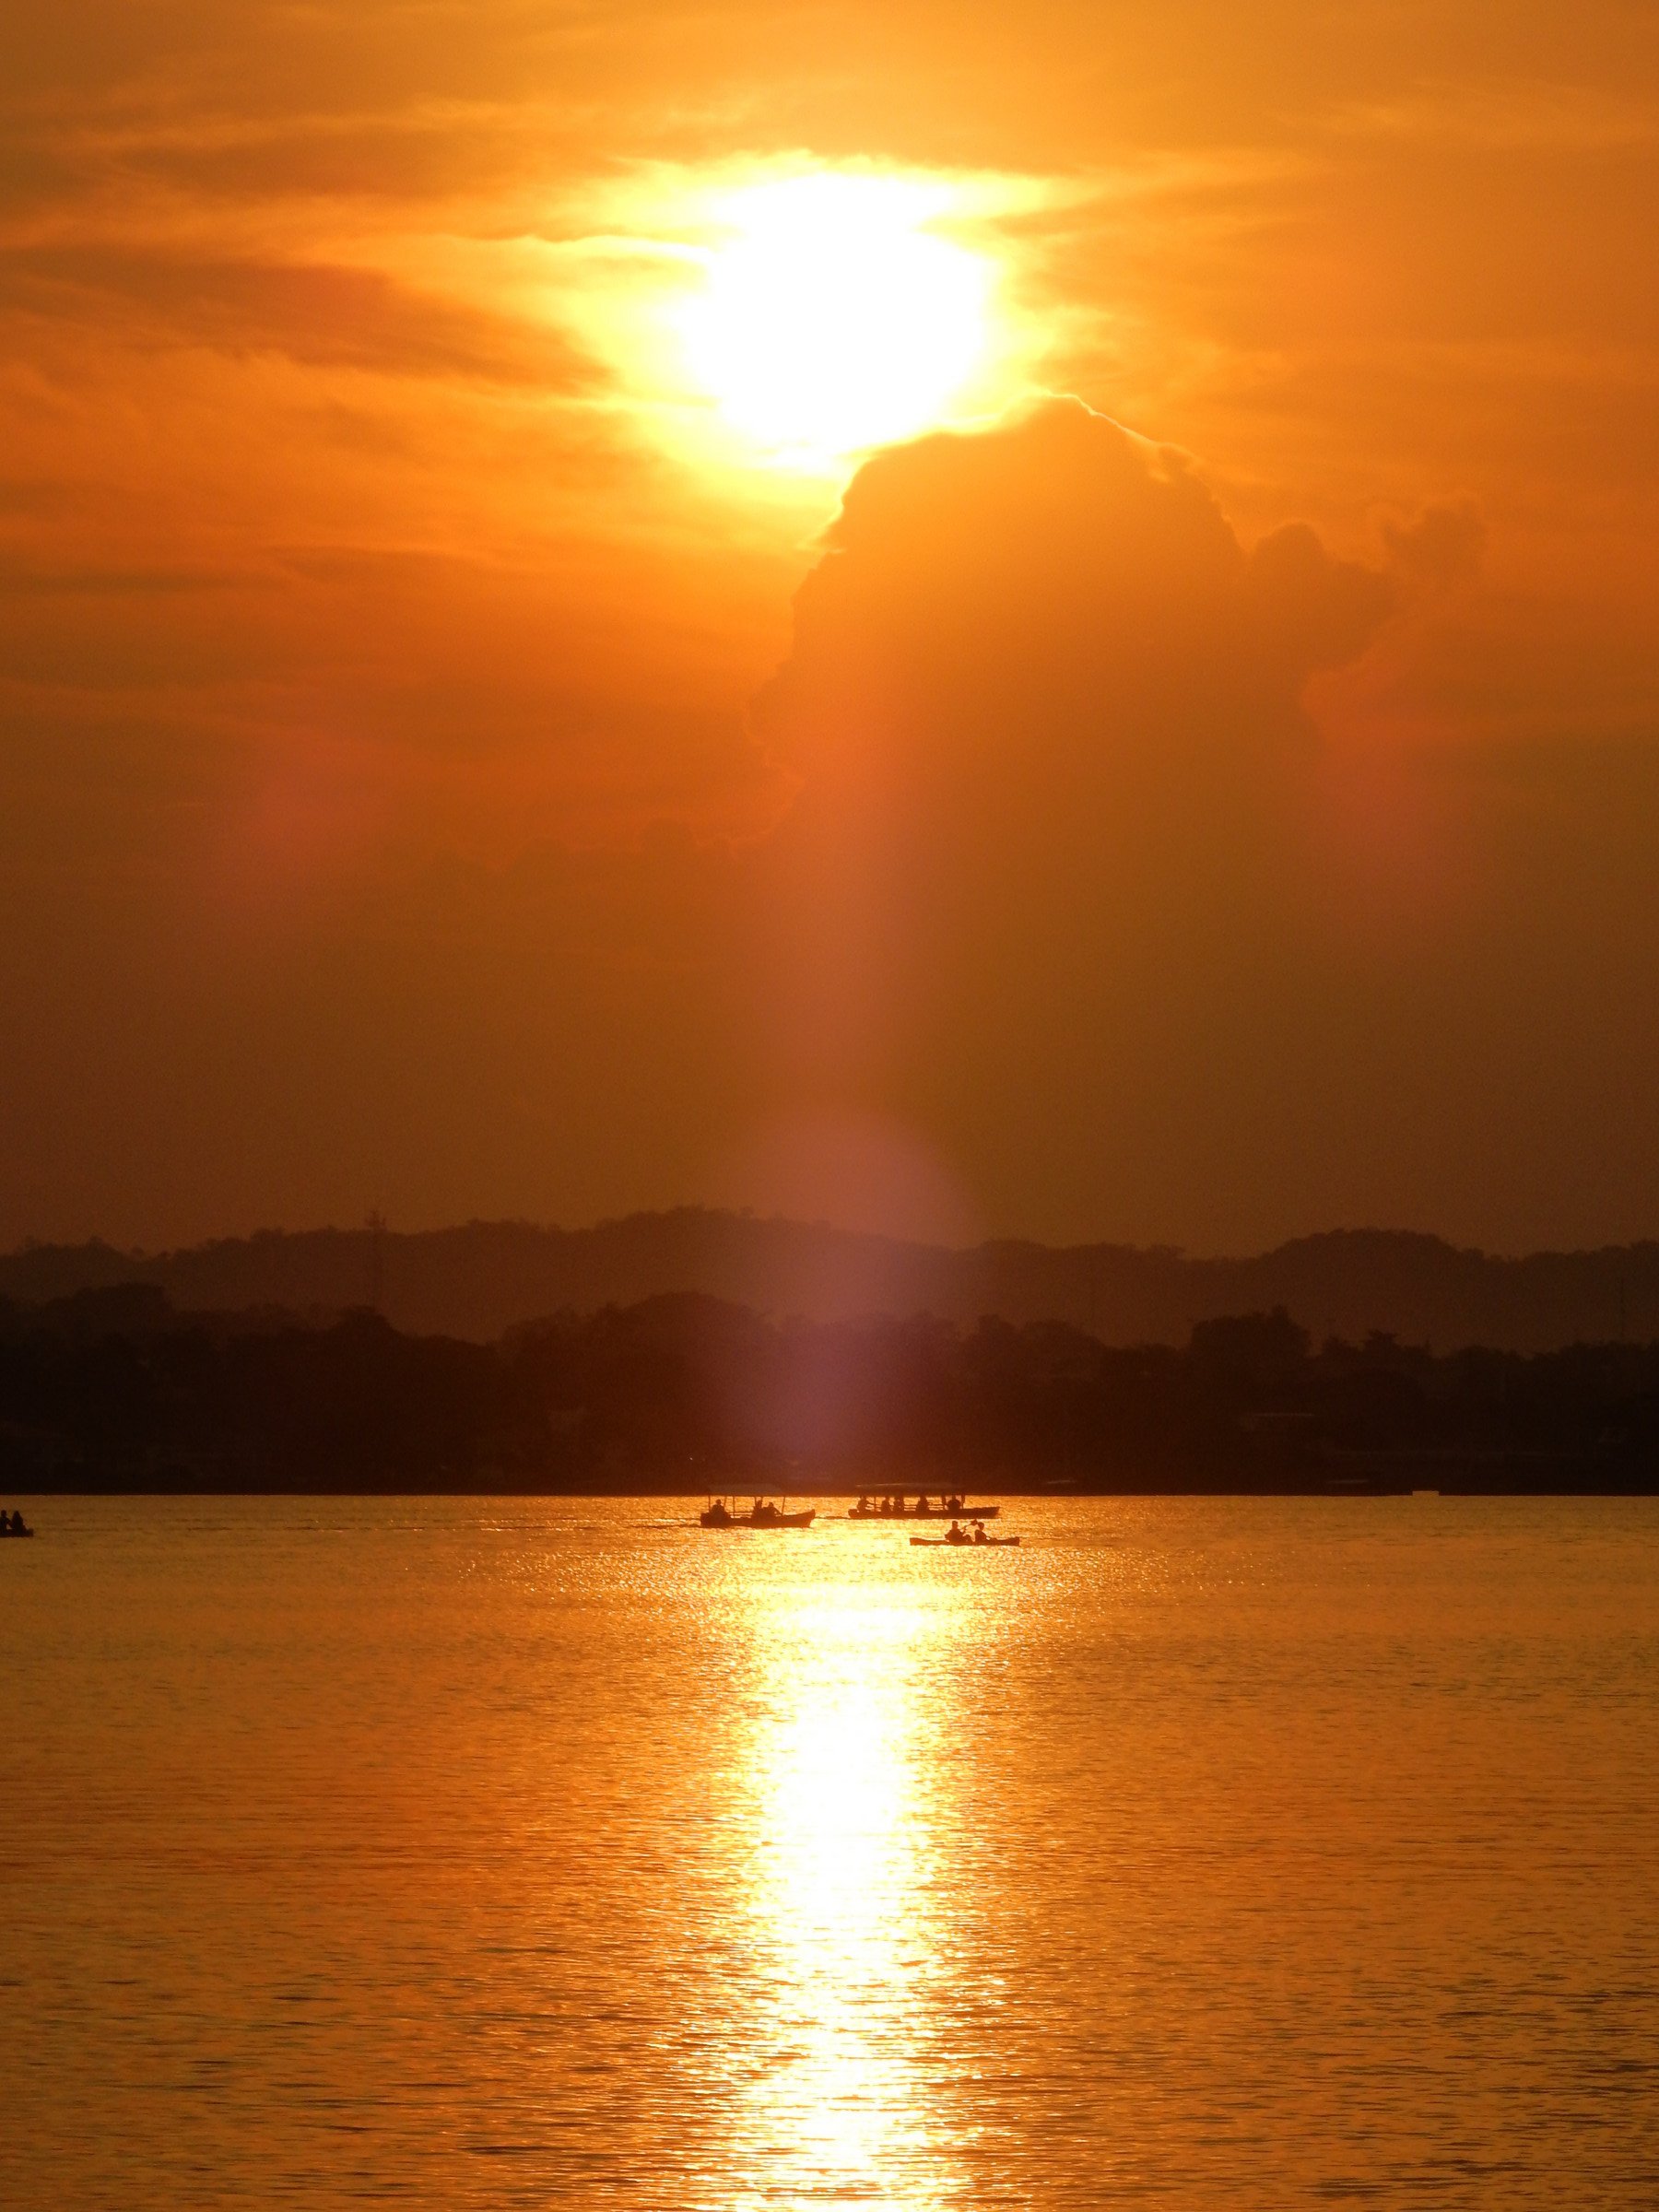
(833, 316)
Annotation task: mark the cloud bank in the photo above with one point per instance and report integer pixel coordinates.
(1075, 874)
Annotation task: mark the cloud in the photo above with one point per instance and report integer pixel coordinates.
(1440, 546)
(1046, 713)
(335, 317)
(1060, 578)
(1075, 883)
(1038, 663)
(1509, 117)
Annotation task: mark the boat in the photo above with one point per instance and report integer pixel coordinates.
(762, 1514)
(926, 1513)
(14, 1528)
(962, 1543)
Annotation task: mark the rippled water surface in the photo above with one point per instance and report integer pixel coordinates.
(470, 1852)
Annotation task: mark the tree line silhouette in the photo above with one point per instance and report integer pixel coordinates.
(479, 1278)
(114, 1390)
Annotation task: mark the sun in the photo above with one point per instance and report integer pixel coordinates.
(831, 315)
(767, 322)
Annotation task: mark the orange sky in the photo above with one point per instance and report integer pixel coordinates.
(422, 786)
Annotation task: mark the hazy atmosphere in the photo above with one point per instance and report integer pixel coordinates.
(828, 1182)
(1127, 712)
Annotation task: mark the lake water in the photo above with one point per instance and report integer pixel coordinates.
(1199, 1853)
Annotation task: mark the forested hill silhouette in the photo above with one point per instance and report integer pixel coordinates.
(477, 1280)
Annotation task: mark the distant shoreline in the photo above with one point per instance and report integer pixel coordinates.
(113, 1393)
(1447, 1488)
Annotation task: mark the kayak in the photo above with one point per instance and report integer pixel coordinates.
(990, 1543)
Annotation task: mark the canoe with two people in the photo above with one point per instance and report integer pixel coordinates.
(957, 1536)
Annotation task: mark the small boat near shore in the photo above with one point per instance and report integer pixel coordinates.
(14, 1526)
(719, 1514)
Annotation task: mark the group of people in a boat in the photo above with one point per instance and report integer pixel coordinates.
(763, 1513)
(14, 1524)
(895, 1509)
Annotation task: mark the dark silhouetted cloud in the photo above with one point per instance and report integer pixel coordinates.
(1076, 879)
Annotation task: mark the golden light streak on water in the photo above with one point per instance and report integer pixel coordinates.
(848, 1911)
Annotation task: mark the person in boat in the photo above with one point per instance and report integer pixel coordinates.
(957, 1533)
(863, 1504)
(717, 1516)
(979, 1533)
(921, 1507)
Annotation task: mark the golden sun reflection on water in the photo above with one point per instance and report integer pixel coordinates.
(847, 1915)
(1231, 1854)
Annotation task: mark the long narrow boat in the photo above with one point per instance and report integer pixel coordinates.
(717, 1514)
(931, 1513)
